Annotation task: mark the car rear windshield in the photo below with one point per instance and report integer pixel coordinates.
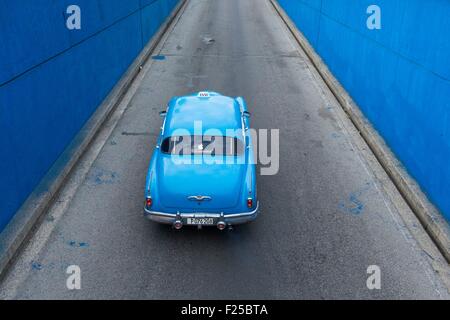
(202, 145)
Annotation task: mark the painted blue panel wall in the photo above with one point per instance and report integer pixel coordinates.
(399, 75)
(53, 79)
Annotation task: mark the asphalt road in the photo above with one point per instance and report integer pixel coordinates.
(328, 214)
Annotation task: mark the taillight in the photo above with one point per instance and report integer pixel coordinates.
(250, 203)
(148, 202)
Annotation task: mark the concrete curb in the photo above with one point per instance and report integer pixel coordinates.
(431, 219)
(30, 213)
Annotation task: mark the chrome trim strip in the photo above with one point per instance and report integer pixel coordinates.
(150, 182)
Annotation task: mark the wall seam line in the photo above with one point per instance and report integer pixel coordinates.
(17, 76)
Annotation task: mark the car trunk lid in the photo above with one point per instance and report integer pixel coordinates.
(199, 187)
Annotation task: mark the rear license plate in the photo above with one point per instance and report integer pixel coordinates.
(200, 221)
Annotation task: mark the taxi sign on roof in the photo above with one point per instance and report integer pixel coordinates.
(203, 94)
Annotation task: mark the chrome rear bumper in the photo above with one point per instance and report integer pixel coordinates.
(229, 219)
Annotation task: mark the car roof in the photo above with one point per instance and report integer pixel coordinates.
(206, 110)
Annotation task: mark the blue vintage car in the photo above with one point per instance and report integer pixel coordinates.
(202, 172)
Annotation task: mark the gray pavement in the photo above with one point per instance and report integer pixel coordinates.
(326, 216)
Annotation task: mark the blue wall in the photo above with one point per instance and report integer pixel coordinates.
(53, 79)
(399, 75)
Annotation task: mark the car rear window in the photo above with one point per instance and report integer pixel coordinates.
(202, 145)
